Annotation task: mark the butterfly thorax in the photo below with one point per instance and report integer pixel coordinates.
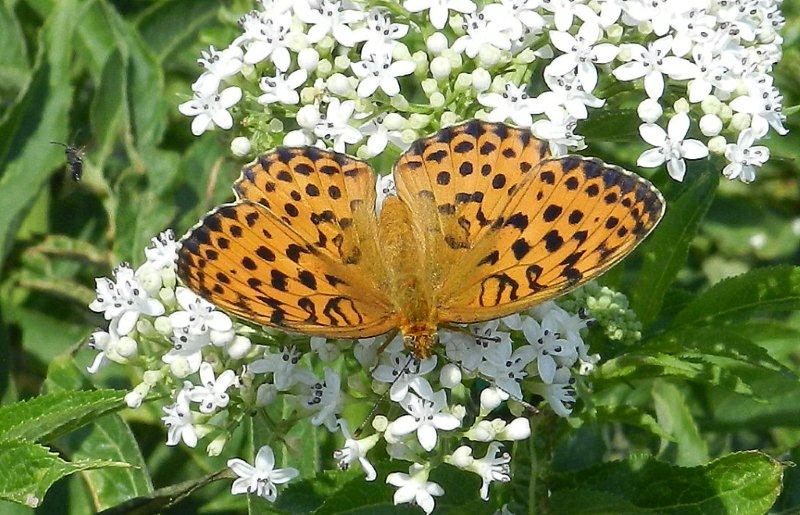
(403, 259)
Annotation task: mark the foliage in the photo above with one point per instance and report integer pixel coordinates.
(701, 415)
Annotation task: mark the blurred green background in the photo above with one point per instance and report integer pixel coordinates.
(109, 75)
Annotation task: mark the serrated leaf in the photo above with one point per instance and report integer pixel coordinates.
(27, 470)
(767, 289)
(109, 437)
(49, 416)
(745, 482)
(665, 251)
(591, 502)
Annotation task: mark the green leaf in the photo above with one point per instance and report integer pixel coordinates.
(169, 24)
(592, 502)
(745, 482)
(14, 66)
(38, 117)
(49, 416)
(109, 437)
(625, 123)
(27, 470)
(767, 289)
(666, 250)
(672, 412)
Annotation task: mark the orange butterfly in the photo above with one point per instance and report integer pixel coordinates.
(485, 223)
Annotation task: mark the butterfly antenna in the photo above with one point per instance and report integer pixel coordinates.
(59, 143)
(371, 414)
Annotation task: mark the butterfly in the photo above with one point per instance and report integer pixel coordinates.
(485, 223)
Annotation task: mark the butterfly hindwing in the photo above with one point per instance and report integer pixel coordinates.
(298, 250)
(573, 220)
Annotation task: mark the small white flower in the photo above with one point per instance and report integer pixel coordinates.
(565, 11)
(414, 487)
(178, 419)
(327, 350)
(469, 348)
(480, 32)
(581, 54)
(653, 63)
(402, 371)
(219, 65)
(439, 10)
(211, 110)
(710, 73)
(335, 126)
(744, 157)
(356, 450)
(568, 92)
(112, 347)
(558, 129)
(185, 356)
(124, 299)
(198, 314)
(211, 393)
(266, 36)
(512, 104)
(424, 415)
(764, 103)
(378, 71)
(506, 366)
(162, 251)
(379, 135)
(517, 16)
(329, 17)
(670, 146)
(261, 479)
(283, 366)
(380, 35)
(281, 88)
(325, 397)
(492, 468)
(550, 349)
(560, 394)
(385, 188)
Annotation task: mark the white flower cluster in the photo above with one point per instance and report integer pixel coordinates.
(370, 76)
(218, 371)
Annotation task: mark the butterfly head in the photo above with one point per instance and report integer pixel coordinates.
(420, 340)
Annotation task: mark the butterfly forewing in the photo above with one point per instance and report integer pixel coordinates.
(573, 220)
(298, 250)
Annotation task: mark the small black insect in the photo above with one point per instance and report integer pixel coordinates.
(74, 159)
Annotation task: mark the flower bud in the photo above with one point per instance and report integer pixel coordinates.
(437, 100)
(275, 125)
(458, 411)
(399, 102)
(168, 279)
(248, 71)
(326, 44)
(483, 431)
(481, 80)
(308, 116)
(342, 62)
(240, 146)
(152, 377)
(163, 326)
(266, 394)
(338, 84)
(681, 106)
(220, 338)
(518, 429)
(324, 68)
(180, 367)
(717, 145)
(461, 457)
(614, 33)
(217, 444)
(380, 423)
(166, 295)
(239, 347)
(710, 105)
(449, 118)
(440, 68)
(740, 122)
(450, 376)
(710, 125)
(463, 82)
(308, 59)
(394, 121)
(409, 136)
(645, 27)
(490, 399)
(725, 112)
(436, 43)
(145, 327)
(489, 56)
(400, 52)
(134, 398)
(429, 86)
(420, 59)
(649, 110)
(418, 120)
(126, 347)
